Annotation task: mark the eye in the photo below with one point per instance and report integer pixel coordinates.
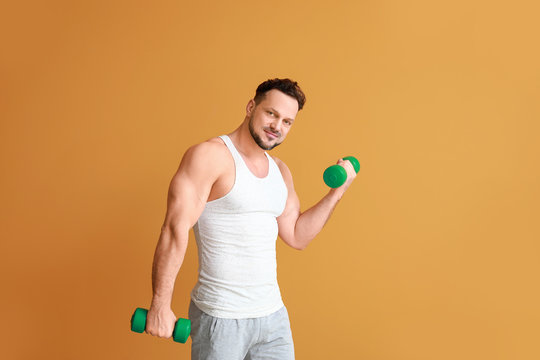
(271, 113)
(287, 122)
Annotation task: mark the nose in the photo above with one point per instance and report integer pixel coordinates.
(276, 126)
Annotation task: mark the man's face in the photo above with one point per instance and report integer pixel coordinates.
(271, 120)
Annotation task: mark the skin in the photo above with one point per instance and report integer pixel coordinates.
(207, 172)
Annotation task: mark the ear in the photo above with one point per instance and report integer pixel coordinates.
(250, 106)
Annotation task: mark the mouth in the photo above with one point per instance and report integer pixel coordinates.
(271, 134)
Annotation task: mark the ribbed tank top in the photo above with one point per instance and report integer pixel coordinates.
(236, 240)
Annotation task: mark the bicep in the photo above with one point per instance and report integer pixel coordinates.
(189, 190)
(287, 220)
(183, 203)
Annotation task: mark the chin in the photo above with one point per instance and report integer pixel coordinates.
(272, 145)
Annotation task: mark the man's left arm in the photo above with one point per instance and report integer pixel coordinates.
(297, 228)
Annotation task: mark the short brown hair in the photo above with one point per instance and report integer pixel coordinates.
(286, 86)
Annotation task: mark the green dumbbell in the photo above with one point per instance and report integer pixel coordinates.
(182, 328)
(335, 175)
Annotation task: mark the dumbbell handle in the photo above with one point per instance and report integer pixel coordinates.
(182, 328)
(335, 175)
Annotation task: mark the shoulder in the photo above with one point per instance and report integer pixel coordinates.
(211, 151)
(209, 156)
(213, 146)
(285, 172)
(278, 162)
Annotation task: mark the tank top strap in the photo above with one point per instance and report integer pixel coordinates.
(235, 154)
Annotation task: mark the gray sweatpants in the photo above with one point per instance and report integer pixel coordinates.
(266, 337)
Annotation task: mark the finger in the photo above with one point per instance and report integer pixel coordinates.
(165, 335)
(347, 164)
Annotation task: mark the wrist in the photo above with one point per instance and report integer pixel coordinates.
(160, 301)
(335, 194)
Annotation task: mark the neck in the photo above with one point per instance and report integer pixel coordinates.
(244, 143)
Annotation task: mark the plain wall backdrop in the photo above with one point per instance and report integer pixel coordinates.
(433, 253)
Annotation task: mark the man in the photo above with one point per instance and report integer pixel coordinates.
(237, 199)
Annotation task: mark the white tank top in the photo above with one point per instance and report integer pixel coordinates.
(236, 239)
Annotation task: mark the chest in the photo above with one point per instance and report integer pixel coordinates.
(259, 169)
(240, 191)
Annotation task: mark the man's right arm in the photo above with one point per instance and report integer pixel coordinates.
(188, 193)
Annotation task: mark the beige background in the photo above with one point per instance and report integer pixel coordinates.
(432, 254)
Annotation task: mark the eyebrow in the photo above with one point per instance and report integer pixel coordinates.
(277, 112)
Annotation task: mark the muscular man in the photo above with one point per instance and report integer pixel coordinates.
(237, 199)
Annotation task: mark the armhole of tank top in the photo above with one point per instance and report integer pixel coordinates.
(235, 175)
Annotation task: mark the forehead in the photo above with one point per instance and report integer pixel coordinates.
(286, 105)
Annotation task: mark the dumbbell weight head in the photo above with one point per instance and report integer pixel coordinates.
(181, 330)
(138, 320)
(335, 176)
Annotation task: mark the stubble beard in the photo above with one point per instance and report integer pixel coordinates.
(258, 139)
